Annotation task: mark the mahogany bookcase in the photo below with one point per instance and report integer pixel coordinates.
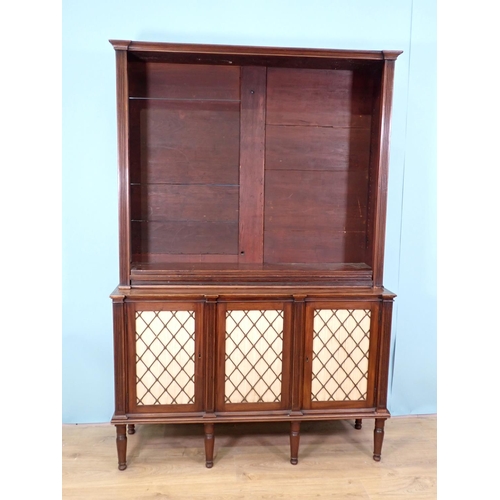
(252, 211)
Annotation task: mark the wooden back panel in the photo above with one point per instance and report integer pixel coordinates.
(318, 132)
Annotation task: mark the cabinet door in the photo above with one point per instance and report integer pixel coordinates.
(340, 355)
(164, 357)
(253, 362)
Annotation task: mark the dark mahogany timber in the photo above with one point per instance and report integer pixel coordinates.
(378, 435)
(121, 445)
(252, 212)
(209, 445)
(294, 442)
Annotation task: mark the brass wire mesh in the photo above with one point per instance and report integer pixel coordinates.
(341, 340)
(165, 350)
(253, 359)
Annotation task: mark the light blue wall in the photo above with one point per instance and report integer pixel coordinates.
(90, 231)
(414, 353)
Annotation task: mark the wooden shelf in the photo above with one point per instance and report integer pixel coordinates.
(335, 274)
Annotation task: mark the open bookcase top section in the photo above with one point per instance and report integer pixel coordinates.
(252, 164)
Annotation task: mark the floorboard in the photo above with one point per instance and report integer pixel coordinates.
(252, 461)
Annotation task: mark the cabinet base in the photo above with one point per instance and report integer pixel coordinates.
(209, 437)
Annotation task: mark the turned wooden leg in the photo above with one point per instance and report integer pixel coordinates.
(358, 423)
(121, 446)
(378, 438)
(294, 442)
(131, 428)
(209, 445)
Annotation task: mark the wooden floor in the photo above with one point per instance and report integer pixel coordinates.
(252, 462)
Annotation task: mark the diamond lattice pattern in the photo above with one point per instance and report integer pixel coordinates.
(165, 363)
(341, 340)
(254, 346)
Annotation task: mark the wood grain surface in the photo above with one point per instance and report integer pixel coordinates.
(252, 461)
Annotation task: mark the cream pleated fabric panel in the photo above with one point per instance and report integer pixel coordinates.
(254, 351)
(341, 340)
(165, 364)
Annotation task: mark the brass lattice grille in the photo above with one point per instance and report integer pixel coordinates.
(254, 347)
(165, 365)
(341, 340)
